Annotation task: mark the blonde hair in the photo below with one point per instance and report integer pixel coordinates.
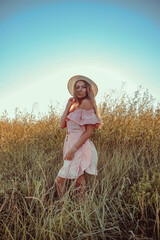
(90, 96)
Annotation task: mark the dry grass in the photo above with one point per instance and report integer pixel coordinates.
(123, 201)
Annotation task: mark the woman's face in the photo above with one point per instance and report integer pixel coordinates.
(81, 89)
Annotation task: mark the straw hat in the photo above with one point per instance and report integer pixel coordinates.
(76, 78)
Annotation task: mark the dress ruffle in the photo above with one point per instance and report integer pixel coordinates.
(82, 117)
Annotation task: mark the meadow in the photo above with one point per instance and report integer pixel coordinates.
(123, 200)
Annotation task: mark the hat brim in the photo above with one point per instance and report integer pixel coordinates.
(76, 78)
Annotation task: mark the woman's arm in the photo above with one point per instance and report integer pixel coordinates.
(86, 135)
(66, 111)
(83, 138)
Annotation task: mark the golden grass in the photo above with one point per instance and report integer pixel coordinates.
(123, 201)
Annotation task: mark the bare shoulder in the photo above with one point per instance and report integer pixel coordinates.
(86, 104)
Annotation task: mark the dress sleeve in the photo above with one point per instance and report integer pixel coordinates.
(82, 117)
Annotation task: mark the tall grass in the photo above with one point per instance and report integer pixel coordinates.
(123, 201)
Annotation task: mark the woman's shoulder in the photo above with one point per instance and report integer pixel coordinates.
(86, 104)
(84, 114)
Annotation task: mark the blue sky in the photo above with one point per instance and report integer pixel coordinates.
(43, 45)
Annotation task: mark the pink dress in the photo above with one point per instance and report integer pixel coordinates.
(85, 158)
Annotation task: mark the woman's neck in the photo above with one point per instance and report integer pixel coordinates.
(80, 100)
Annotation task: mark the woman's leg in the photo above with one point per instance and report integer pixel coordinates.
(80, 185)
(60, 186)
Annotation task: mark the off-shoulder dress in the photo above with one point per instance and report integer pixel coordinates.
(85, 158)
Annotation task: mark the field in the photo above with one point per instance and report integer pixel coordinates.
(123, 201)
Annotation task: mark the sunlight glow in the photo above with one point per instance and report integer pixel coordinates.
(50, 86)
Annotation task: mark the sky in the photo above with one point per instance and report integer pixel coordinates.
(44, 43)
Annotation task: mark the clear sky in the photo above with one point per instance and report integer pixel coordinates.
(43, 44)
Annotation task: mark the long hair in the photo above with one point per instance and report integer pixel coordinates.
(90, 96)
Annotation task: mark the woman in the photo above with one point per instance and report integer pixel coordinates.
(80, 117)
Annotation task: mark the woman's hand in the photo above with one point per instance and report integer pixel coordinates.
(70, 154)
(70, 102)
